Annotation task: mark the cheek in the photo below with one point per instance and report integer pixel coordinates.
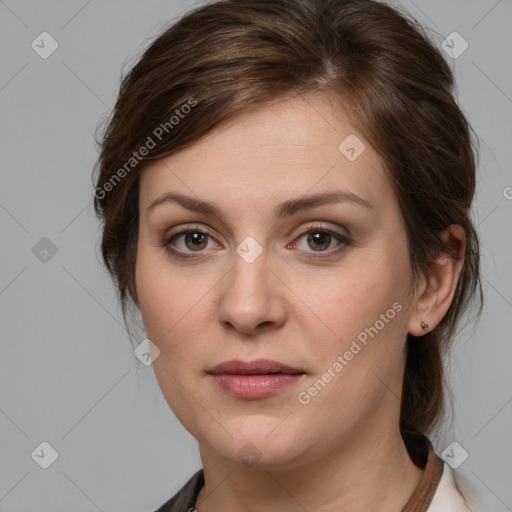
(173, 311)
(361, 296)
(358, 365)
(160, 294)
(365, 309)
(152, 293)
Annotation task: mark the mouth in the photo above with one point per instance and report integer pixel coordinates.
(257, 367)
(254, 379)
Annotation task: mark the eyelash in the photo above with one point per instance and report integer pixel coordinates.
(314, 229)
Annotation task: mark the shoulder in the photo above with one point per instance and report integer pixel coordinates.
(447, 498)
(184, 500)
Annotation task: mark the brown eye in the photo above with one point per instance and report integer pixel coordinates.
(196, 240)
(188, 241)
(319, 241)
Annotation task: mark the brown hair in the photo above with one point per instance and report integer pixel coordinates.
(224, 58)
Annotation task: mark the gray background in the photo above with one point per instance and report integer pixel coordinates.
(67, 372)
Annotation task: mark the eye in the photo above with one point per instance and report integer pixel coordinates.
(316, 239)
(321, 239)
(189, 240)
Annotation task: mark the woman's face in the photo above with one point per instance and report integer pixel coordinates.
(296, 253)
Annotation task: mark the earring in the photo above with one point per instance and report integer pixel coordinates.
(425, 326)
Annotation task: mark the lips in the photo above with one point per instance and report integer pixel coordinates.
(252, 380)
(257, 367)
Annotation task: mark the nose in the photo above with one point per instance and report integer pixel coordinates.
(252, 299)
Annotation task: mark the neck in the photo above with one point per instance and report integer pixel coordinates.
(370, 471)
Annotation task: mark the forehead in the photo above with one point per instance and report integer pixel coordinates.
(280, 150)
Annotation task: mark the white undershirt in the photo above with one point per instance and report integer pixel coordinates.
(447, 497)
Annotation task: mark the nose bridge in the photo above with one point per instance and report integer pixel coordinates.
(250, 295)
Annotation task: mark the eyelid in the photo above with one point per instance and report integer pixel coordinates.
(192, 228)
(319, 226)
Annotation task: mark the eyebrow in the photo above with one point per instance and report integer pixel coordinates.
(282, 210)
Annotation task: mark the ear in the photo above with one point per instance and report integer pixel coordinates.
(435, 293)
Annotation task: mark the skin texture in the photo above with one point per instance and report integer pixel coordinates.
(293, 304)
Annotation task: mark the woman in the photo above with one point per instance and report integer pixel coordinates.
(285, 188)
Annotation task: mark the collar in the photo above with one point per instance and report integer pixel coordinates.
(422, 454)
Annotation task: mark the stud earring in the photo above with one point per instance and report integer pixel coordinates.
(425, 326)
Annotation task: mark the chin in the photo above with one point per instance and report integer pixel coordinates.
(262, 447)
